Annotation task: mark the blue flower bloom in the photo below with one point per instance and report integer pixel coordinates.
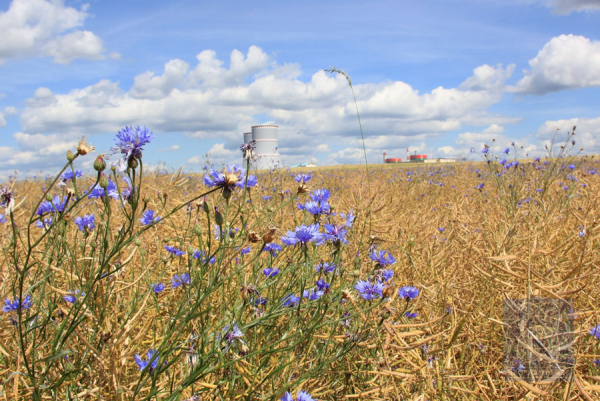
(3, 218)
(325, 267)
(502, 161)
(179, 280)
(507, 150)
(85, 223)
(320, 195)
(51, 207)
(148, 218)
(16, 304)
(230, 334)
(302, 178)
(572, 167)
(99, 192)
(45, 224)
(381, 258)
(316, 208)
(130, 143)
(484, 150)
(595, 332)
(174, 251)
(322, 284)
(313, 294)
(250, 182)
(245, 250)
(369, 290)
(272, 248)
(151, 359)
(157, 288)
(73, 295)
(411, 315)
(271, 271)
(68, 175)
(408, 292)
(303, 235)
(291, 300)
(386, 275)
(302, 396)
(228, 179)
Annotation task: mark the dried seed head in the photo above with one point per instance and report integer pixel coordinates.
(253, 237)
(84, 148)
(303, 188)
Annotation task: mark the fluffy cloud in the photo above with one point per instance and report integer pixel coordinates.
(41, 27)
(490, 78)
(587, 133)
(219, 101)
(568, 6)
(565, 62)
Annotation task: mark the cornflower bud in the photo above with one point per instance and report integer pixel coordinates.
(99, 164)
(218, 217)
(103, 182)
(70, 156)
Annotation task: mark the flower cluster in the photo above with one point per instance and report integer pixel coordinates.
(130, 143)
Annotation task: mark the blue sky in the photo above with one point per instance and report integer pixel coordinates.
(439, 77)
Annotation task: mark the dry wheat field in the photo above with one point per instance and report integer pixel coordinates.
(464, 281)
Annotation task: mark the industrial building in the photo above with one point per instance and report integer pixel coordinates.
(266, 146)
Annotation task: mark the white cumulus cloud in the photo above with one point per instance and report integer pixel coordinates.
(49, 28)
(565, 62)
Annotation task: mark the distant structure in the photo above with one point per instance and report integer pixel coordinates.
(393, 160)
(417, 158)
(441, 160)
(266, 148)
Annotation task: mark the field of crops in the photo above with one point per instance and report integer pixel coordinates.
(377, 283)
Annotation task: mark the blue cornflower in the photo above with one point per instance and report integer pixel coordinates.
(174, 251)
(151, 359)
(313, 294)
(51, 207)
(408, 292)
(245, 250)
(148, 218)
(179, 280)
(302, 396)
(128, 191)
(16, 304)
(302, 178)
(441, 229)
(537, 159)
(249, 182)
(232, 333)
(507, 150)
(572, 167)
(480, 186)
(45, 224)
(335, 233)
(3, 218)
(322, 284)
(291, 300)
(381, 258)
(411, 315)
(369, 290)
(325, 267)
(259, 301)
(271, 271)
(485, 150)
(99, 192)
(272, 248)
(72, 296)
(303, 235)
(130, 143)
(320, 195)
(502, 161)
(227, 180)
(85, 223)
(517, 366)
(316, 208)
(157, 288)
(68, 175)
(386, 275)
(597, 363)
(267, 198)
(595, 332)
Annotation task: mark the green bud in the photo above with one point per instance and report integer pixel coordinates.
(138, 242)
(103, 182)
(49, 197)
(218, 218)
(197, 229)
(132, 163)
(226, 193)
(205, 207)
(99, 164)
(70, 156)
(113, 168)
